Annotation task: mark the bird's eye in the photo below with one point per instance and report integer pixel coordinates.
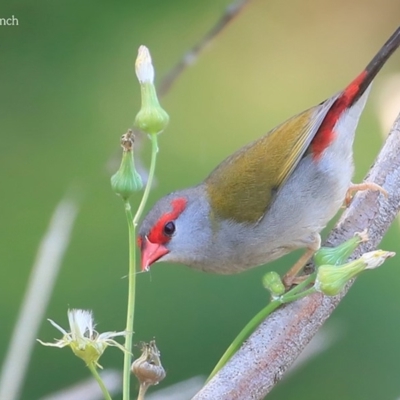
(169, 228)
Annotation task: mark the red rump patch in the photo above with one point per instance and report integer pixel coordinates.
(157, 235)
(325, 134)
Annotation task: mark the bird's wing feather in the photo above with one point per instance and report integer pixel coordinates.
(244, 185)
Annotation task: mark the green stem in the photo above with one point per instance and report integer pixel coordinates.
(93, 370)
(154, 151)
(296, 293)
(293, 297)
(131, 303)
(244, 334)
(132, 223)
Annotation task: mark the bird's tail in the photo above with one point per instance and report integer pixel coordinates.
(359, 85)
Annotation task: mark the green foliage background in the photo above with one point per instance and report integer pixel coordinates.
(68, 92)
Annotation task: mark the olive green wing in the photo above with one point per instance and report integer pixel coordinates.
(243, 186)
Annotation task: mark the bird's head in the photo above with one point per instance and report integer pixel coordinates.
(173, 228)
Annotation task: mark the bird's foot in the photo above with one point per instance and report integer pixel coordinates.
(356, 187)
(291, 277)
(295, 281)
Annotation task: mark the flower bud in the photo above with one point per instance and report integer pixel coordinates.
(331, 279)
(126, 180)
(151, 118)
(273, 283)
(147, 367)
(338, 255)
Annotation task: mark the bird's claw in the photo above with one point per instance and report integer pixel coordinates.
(357, 187)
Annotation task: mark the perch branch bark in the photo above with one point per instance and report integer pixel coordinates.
(264, 358)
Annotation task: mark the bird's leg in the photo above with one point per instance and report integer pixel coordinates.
(356, 187)
(291, 277)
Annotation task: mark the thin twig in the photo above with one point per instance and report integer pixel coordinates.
(262, 361)
(190, 57)
(40, 287)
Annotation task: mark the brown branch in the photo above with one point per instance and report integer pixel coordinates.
(261, 362)
(190, 57)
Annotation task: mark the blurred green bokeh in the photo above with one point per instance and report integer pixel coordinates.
(68, 92)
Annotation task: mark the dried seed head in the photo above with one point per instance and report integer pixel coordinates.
(147, 367)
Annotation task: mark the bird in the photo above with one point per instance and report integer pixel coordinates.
(272, 196)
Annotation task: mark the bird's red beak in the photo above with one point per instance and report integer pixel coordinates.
(151, 252)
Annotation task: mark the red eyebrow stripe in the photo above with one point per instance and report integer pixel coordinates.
(156, 235)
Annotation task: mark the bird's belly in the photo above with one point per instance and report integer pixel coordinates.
(306, 203)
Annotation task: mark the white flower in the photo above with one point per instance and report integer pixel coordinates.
(84, 340)
(143, 66)
(376, 258)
